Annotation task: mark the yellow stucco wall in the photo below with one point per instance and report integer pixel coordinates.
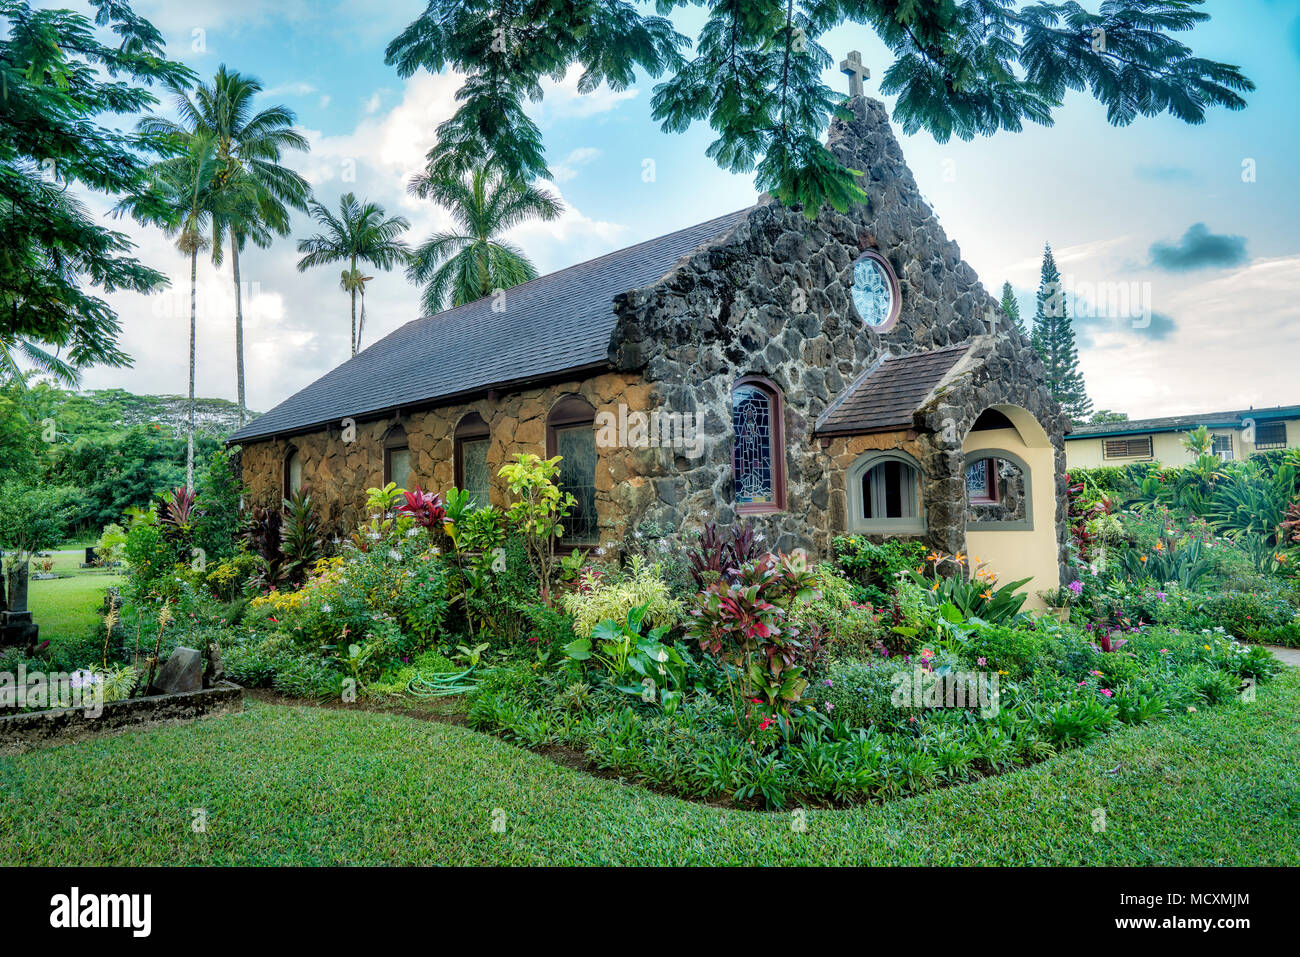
(1020, 553)
(1166, 447)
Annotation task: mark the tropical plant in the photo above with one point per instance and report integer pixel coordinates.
(625, 649)
(973, 592)
(720, 554)
(1247, 503)
(539, 513)
(602, 597)
(262, 537)
(249, 146)
(473, 261)
(300, 538)
(361, 232)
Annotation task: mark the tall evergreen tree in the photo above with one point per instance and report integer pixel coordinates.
(1053, 339)
(1011, 307)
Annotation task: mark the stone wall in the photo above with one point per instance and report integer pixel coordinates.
(773, 299)
(337, 473)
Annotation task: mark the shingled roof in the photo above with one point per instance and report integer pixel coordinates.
(886, 395)
(1180, 423)
(553, 324)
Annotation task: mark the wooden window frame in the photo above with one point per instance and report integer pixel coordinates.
(572, 411)
(395, 440)
(776, 443)
(471, 428)
(286, 472)
(991, 472)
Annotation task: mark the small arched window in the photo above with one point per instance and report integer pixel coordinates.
(757, 453)
(999, 495)
(397, 458)
(571, 433)
(884, 491)
(471, 458)
(292, 481)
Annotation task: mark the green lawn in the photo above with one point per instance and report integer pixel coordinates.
(283, 785)
(68, 608)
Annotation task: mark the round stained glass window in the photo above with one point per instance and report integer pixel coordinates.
(875, 291)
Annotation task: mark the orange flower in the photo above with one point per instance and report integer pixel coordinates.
(1160, 546)
(987, 594)
(1143, 559)
(959, 558)
(934, 557)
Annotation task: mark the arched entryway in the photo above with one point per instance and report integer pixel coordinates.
(1010, 492)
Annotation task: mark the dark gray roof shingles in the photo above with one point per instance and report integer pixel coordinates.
(554, 323)
(890, 392)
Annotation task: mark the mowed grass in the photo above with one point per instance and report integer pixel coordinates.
(68, 608)
(296, 785)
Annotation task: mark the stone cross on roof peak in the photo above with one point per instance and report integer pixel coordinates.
(852, 67)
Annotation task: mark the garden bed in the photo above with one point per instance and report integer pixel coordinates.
(22, 732)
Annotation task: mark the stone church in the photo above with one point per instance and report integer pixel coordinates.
(847, 374)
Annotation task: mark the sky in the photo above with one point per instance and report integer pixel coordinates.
(1178, 244)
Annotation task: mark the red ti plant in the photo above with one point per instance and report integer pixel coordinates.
(179, 509)
(1108, 642)
(738, 622)
(426, 508)
(1291, 524)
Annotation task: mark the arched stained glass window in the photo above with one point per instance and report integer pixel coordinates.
(756, 454)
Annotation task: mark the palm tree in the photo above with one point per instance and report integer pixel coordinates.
(249, 147)
(361, 232)
(184, 195)
(460, 267)
(43, 362)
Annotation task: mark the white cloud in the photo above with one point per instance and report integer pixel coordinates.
(297, 88)
(567, 168)
(563, 101)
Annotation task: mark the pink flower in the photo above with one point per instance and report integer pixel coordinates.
(981, 661)
(1107, 692)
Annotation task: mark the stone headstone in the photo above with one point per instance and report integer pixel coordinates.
(17, 628)
(183, 671)
(216, 666)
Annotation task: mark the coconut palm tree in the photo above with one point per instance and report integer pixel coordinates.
(465, 265)
(360, 232)
(249, 146)
(184, 195)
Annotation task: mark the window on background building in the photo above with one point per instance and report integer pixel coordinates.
(571, 433)
(757, 454)
(397, 458)
(1223, 446)
(292, 473)
(1138, 448)
(471, 452)
(982, 481)
(1270, 435)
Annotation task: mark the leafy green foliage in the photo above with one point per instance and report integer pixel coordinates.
(1053, 339)
(603, 595)
(65, 82)
(966, 68)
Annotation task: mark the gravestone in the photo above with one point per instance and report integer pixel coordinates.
(16, 625)
(183, 671)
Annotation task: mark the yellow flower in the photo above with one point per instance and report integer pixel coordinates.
(934, 587)
(1206, 647)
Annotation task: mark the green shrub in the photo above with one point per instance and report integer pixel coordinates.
(609, 597)
(1288, 635)
(1010, 648)
(858, 693)
(875, 569)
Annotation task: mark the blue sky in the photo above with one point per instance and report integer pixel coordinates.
(1178, 243)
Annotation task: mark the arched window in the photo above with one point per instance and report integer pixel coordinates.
(757, 452)
(884, 492)
(397, 458)
(292, 472)
(470, 458)
(998, 492)
(571, 433)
